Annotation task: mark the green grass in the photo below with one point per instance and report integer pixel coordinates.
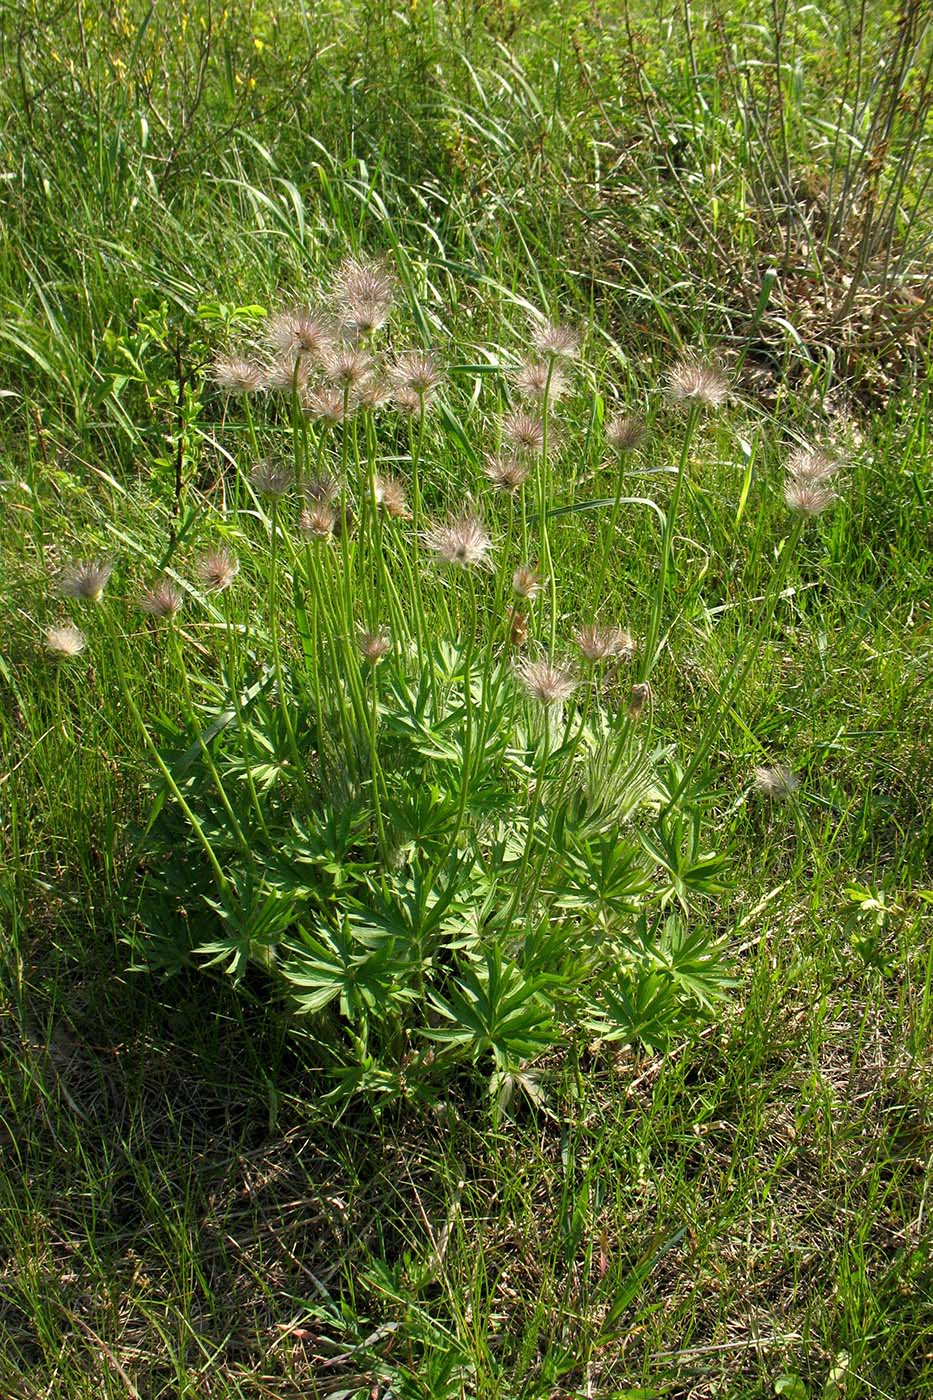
(181, 1216)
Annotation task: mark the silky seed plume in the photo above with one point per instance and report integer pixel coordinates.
(546, 683)
(86, 580)
(693, 382)
(64, 641)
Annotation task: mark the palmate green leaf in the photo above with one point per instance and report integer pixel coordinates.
(695, 962)
(335, 965)
(606, 873)
(639, 1005)
(675, 845)
(497, 1007)
(254, 920)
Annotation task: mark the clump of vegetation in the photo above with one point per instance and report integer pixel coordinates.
(428, 810)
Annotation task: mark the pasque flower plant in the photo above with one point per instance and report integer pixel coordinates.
(423, 803)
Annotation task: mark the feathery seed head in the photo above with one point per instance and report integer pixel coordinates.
(524, 431)
(807, 498)
(326, 405)
(812, 466)
(318, 520)
(410, 403)
(539, 380)
(234, 374)
(363, 292)
(599, 643)
(390, 495)
(778, 783)
(373, 646)
(692, 382)
(372, 392)
(86, 580)
(461, 542)
(546, 683)
(526, 583)
(271, 480)
(217, 569)
(288, 373)
(417, 370)
(162, 600)
(64, 640)
(300, 331)
(638, 698)
(625, 432)
(554, 340)
(348, 367)
(505, 471)
(321, 489)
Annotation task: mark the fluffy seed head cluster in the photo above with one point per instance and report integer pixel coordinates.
(271, 480)
(86, 580)
(64, 640)
(544, 682)
(638, 698)
(410, 403)
(505, 471)
(625, 432)
(163, 600)
(462, 542)
(692, 382)
(554, 340)
(600, 643)
(300, 331)
(778, 783)
(217, 569)
(373, 646)
(418, 371)
(363, 293)
(234, 374)
(523, 431)
(390, 495)
(526, 583)
(541, 379)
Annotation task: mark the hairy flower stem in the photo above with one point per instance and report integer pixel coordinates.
(466, 774)
(375, 766)
(533, 814)
(547, 562)
(233, 685)
(253, 443)
(666, 567)
(277, 652)
(741, 665)
(208, 757)
(561, 794)
(610, 535)
(223, 884)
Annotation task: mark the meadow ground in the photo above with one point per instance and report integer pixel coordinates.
(741, 1213)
